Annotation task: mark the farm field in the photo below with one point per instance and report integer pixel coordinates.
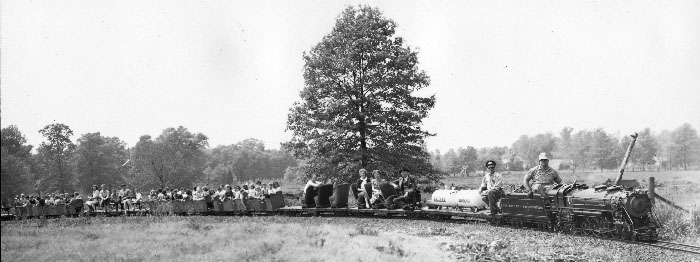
(277, 238)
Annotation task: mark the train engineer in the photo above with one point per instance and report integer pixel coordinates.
(491, 186)
(542, 176)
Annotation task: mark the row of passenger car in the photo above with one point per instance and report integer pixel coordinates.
(274, 202)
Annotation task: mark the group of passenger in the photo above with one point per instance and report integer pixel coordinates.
(256, 190)
(23, 200)
(126, 199)
(537, 180)
(542, 177)
(404, 187)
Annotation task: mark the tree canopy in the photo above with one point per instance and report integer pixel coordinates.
(15, 169)
(175, 158)
(54, 155)
(99, 160)
(358, 107)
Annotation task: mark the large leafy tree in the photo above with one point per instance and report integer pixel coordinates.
(15, 171)
(54, 157)
(645, 148)
(358, 107)
(175, 158)
(246, 160)
(99, 160)
(605, 151)
(686, 145)
(529, 148)
(468, 159)
(581, 149)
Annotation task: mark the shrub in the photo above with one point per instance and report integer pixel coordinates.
(676, 223)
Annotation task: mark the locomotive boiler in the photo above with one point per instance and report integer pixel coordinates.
(600, 211)
(463, 199)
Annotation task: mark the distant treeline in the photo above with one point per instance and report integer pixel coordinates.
(584, 149)
(179, 158)
(176, 158)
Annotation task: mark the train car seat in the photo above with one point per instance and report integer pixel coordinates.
(324, 193)
(277, 200)
(340, 196)
(309, 195)
(355, 191)
(390, 196)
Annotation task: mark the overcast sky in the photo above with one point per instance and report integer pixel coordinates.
(232, 69)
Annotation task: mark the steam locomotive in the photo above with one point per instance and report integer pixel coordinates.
(605, 211)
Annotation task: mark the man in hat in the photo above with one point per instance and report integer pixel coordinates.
(406, 190)
(542, 176)
(405, 181)
(492, 185)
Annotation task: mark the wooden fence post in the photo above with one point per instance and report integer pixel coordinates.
(652, 194)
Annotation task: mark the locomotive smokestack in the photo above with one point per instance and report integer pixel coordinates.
(627, 158)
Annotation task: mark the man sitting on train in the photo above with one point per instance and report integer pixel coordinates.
(491, 187)
(542, 175)
(405, 181)
(310, 191)
(406, 189)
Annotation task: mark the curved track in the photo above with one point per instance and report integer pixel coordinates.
(672, 246)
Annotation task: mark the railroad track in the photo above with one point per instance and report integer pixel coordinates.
(674, 246)
(665, 245)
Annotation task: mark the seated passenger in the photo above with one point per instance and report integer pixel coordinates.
(377, 199)
(94, 199)
(59, 201)
(138, 199)
(276, 187)
(127, 199)
(252, 193)
(161, 194)
(243, 193)
(197, 193)
(40, 201)
(104, 197)
(542, 176)
(187, 196)
(229, 193)
(492, 187)
(259, 193)
(77, 202)
(220, 193)
(310, 191)
(363, 200)
(153, 196)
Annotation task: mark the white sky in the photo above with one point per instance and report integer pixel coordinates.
(232, 69)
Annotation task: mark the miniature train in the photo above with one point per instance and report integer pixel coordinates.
(574, 208)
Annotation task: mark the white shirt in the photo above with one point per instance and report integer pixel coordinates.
(491, 181)
(311, 183)
(362, 185)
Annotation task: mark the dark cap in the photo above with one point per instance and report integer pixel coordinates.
(490, 163)
(404, 169)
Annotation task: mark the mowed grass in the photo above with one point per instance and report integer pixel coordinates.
(277, 238)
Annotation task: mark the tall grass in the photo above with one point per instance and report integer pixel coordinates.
(676, 224)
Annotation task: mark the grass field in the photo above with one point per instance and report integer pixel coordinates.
(213, 238)
(302, 239)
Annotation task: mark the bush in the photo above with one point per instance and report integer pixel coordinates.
(676, 223)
